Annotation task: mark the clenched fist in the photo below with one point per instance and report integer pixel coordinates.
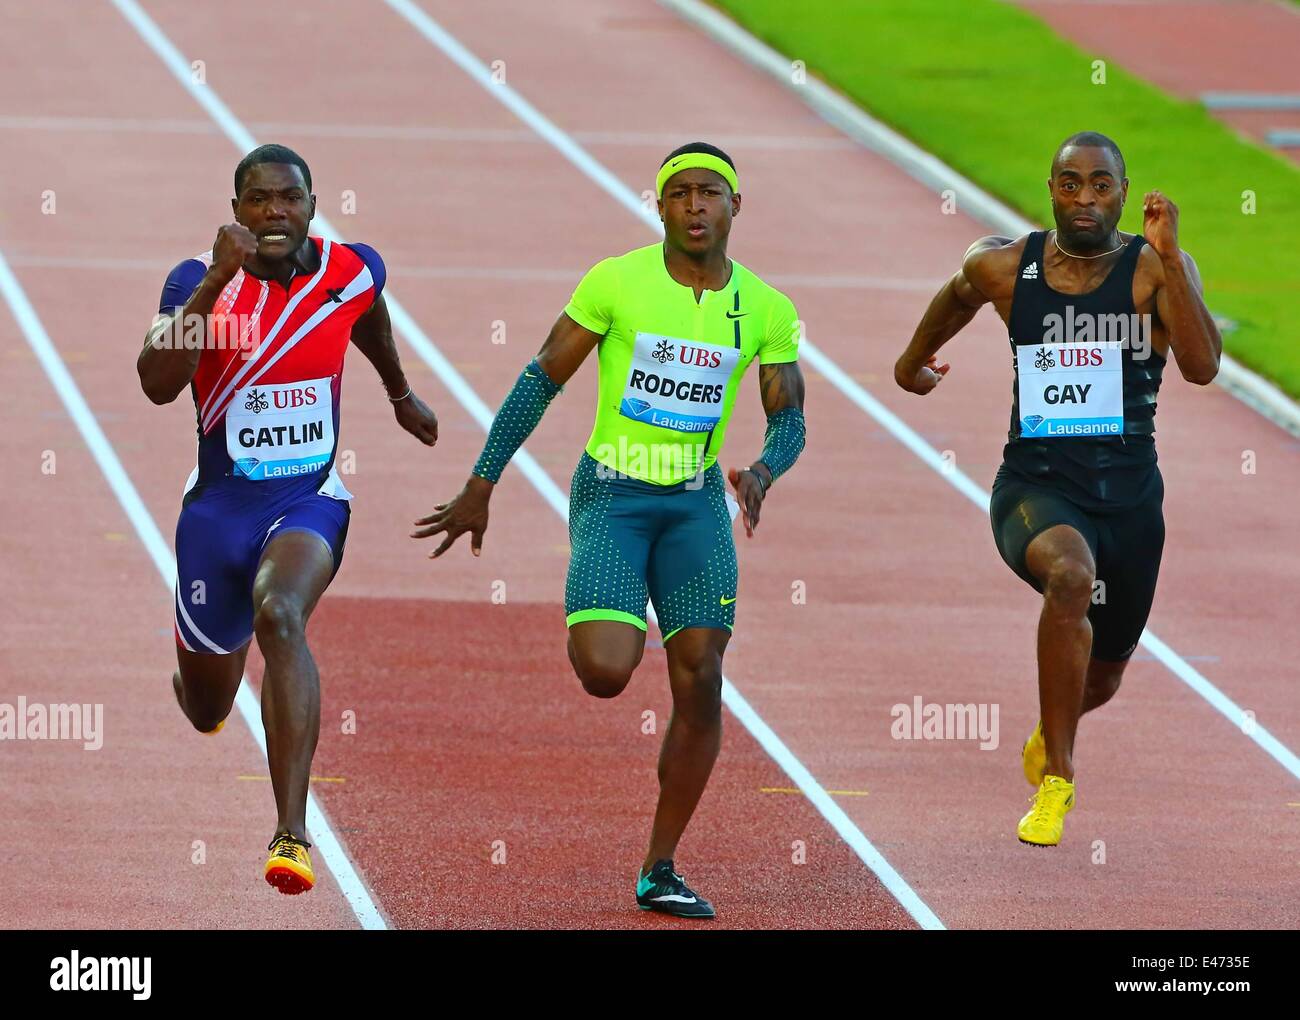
(1160, 224)
(922, 380)
(234, 245)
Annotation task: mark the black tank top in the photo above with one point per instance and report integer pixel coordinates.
(1097, 471)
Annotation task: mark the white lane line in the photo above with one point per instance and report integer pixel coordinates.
(1251, 389)
(919, 164)
(766, 737)
(207, 97)
(331, 849)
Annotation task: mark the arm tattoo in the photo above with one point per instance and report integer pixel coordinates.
(781, 386)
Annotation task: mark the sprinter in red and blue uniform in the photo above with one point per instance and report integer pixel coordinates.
(257, 329)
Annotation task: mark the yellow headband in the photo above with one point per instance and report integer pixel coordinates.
(693, 161)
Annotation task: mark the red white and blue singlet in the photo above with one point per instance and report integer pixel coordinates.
(266, 396)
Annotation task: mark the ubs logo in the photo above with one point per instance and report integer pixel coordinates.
(700, 357)
(663, 353)
(294, 398)
(257, 402)
(1044, 360)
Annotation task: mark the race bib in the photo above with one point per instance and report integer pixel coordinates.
(281, 430)
(677, 384)
(1071, 389)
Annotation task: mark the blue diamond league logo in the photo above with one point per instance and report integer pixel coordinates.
(246, 466)
(1033, 421)
(638, 406)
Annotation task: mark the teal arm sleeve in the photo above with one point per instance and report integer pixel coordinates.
(518, 416)
(784, 440)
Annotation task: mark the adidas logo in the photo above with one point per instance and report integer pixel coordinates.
(1031, 272)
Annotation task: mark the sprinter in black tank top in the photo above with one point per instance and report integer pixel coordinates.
(1092, 315)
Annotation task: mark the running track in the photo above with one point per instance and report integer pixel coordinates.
(470, 729)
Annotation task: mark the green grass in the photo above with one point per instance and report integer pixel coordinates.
(991, 90)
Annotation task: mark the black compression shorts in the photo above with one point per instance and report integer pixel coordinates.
(1126, 544)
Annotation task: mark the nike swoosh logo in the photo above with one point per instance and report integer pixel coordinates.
(726, 601)
(736, 315)
(674, 898)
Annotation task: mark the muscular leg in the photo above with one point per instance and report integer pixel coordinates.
(294, 571)
(604, 653)
(1128, 561)
(1060, 559)
(1102, 683)
(206, 685)
(694, 734)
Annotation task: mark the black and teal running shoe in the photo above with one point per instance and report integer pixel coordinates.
(666, 891)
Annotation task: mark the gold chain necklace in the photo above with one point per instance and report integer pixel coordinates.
(1074, 256)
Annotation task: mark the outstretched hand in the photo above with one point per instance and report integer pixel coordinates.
(749, 494)
(467, 512)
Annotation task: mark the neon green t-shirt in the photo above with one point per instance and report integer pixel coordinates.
(670, 367)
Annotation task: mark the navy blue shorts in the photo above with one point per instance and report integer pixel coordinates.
(223, 529)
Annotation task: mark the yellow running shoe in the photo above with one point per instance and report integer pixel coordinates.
(1043, 824)
(1033, 756)
(289, 866)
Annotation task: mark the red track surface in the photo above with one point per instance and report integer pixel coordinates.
(1196, 47)
(470, 726)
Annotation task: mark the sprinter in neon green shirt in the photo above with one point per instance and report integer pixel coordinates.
(676, 325)
(671, 365)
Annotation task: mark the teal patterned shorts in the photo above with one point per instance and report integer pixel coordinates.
(635, 541)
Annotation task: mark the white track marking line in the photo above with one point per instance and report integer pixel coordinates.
(917, 163)
(331, 849)
(207, 98)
